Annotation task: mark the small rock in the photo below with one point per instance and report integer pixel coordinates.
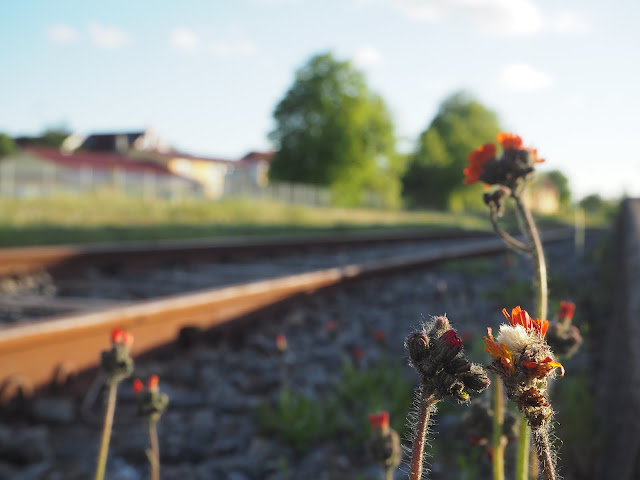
(53, 409)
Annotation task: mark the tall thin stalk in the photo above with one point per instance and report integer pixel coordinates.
(106, 430)
(419, 441)
(543, 447)
(498, 422)
(154, 451)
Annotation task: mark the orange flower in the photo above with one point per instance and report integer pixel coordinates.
(499, 351)
(542, 368)
(379, 421)
(153, 383)
(521, 317)
(121, 336)
(379, 336)
(476, 160)
(509, 140)
(566, 310)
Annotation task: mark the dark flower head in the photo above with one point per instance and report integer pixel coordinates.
(436, 353)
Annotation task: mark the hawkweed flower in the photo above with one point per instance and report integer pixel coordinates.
(117, 365)
(525, 362)
(563, 337)
(379, 336)
(515, 164)
(151, 404)
(384, 443)
(281, 343)
(435, 352)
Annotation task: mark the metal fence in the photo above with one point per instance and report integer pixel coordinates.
(21, 178)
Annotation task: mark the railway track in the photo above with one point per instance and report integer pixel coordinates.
(217, 379)
(69, 343)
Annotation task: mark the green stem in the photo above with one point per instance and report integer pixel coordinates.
(106, 430)
(538, 257)
(154, 456)
(422, 426)
(530, 229)
(522, 457)
(498, 421)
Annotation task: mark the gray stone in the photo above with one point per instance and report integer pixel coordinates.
(54, 409)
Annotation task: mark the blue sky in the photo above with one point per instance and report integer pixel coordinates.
(207, 75)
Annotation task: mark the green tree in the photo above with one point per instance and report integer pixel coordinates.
(53, 137)
(7, 145)
(434, 174)
(331, 130)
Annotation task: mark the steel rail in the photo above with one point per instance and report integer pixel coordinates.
(70, 258)
(33, 353)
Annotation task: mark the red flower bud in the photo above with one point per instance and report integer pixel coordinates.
(379, 421)
(357, 354)
(331, 326)
(281, 342)
(138, 386)
(121, 336)
(379, 336)
(450, 337)
(566, 310)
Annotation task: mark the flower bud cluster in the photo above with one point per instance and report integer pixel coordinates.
(384, 442)
(151, 401)
(515, 165)
(563, 337)
(524, 361)
(436, 354)
(117, 363)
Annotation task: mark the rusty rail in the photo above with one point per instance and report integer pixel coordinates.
(32, 353)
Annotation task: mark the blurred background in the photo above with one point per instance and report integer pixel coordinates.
(351, 103)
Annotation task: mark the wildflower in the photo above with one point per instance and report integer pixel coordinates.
(509, 140)
(564, 338)
(379, 421)
(566, 311)
(122, 337)
(357, 354)
(524, 361)
(117, 363)
(331, 326)
(151, 402)
(476, 160)
(384, 443)
(514, 165)
(435, 352)
(379, 336)
(281, 343)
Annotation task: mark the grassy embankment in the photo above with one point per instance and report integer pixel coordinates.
(108, 217)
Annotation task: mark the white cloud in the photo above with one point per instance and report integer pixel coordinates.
(62, 34)
(522, 77)
(367, 56)
(233, 49)
(107, 37)
(569, 22)
(184, 39)
(506, 17)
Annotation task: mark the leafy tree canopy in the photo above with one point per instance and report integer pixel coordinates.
(331, 130)
(7, 145)
(435, 168)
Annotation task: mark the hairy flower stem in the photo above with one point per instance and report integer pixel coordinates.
(543, 447)
(154, 453)
(531, 231)
(106, 430)
(419, 440)
(498, 421)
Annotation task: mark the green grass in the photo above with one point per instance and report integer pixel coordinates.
(109, 217)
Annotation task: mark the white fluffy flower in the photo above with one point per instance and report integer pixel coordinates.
(515, 338)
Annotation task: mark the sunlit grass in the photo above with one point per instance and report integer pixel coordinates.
(107, 216)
